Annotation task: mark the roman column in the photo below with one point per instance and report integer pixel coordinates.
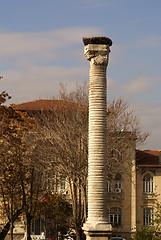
(97, 52)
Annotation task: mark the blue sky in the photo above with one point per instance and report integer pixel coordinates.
(41, 46)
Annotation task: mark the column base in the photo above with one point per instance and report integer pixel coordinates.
(97, 231)
(97, 235)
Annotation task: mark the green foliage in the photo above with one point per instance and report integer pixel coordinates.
(144, 233)
(54, 207)
(157, 221)
(147, 233)
(56, 211)
(153, 231)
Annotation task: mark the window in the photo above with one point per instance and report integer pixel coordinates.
(109, 179)
(108, 187)
(115, 216)
(62, 184)
(148, 183)
(118, 185)
(148, 216)
(62, 189)
(49, 183)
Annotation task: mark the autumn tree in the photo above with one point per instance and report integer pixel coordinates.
(64, 142)
(20, 179)
(56, 212)
(31, 192)
(124, 133)
(4, 97)
(12, 130)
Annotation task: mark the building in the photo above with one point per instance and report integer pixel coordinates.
(148, 185)
(132, 187)
(132, 201)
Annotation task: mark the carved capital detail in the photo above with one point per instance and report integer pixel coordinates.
(97, 54)
(100, 60)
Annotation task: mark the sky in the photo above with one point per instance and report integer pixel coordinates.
(41, 46)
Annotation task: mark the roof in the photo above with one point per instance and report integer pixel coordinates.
(45, 104)
(144, 158)
(147, 158)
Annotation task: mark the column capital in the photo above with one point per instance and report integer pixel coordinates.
(97, 53)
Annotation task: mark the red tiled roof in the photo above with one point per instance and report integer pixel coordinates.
(149, 158)
(45, 104)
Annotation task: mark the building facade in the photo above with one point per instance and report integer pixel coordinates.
(132, 201)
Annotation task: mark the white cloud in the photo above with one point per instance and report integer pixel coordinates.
(149, 112)
(116, 53)
(150, 115)
(120, 53)
(41, 46)
(34, 82)
(34, 62)
(149, 41)
(139, 85)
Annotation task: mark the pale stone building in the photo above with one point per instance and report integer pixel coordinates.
(132, 199)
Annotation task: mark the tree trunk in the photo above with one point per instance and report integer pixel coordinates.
(28, 227)
(79, 233)
(11, 230)
(6, 228)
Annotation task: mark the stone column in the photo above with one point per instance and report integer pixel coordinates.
(97, 52)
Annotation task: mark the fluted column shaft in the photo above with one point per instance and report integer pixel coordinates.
(97, 158)
(98, 55)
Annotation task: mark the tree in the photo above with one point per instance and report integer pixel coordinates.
(64, 142)
(153, 231)
(4, 96)
(144, 233)
(12, 145)
(20, 179)
(56, 211)
(123, 132)
(31, 191)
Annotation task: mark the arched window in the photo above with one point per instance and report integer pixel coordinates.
(118, 185)
(148, 183)
(115, 216)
